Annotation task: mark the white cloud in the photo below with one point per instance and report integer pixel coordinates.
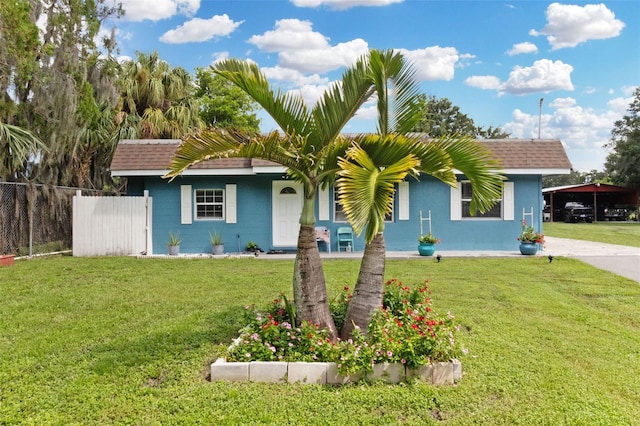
(281, 74)
(563, 103)
(570, 25)
(343, 4)
(326, 59)
(311, 93)
(198, 29)
(290, 34)
(124, 59)
(368, 112)
(287, 74)
(544, 76)
(433, 63)
(583, 130)
(304, 50)
(155, 10)
(521, 48)
(219, 56)
(485, 82)
(620, 105)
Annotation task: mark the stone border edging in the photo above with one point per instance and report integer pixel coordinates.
(440, 373)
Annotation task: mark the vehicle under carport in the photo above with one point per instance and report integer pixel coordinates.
(609, 202)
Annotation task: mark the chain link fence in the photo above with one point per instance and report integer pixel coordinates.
(36, 219)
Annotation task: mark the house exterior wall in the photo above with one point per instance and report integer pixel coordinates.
(254, 215)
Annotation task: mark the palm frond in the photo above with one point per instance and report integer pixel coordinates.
(214, 143)
(330, 156)
(366, 189)
(477, 163)
(394, 79)
(340, 103)
(287, 109)
(16, 146)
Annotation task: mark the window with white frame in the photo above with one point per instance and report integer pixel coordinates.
(389, 216)
(338, 212)
(210, 204)
(340, 216)
(467, 192)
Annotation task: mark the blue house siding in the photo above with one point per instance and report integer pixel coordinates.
(467, 233)
(254, 215)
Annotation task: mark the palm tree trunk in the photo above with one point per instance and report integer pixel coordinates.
(309, 286)
(367, 296)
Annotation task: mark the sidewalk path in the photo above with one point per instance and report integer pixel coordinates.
(621, 260)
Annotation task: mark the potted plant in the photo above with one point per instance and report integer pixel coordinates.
(529, 239)
(7, 259)
(217, 244)
(174, 243)
(427, 244)
(253, 247)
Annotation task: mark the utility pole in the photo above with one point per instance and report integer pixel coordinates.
(540, 117)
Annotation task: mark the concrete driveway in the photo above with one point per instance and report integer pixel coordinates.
(621, 260)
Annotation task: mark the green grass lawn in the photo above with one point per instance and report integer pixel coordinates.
(126, 341)
(623, 233)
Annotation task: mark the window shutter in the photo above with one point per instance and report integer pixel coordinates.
(323, 204)
(403, 200)
(231, 203)
(185, 205)
(508, 207)
(456, 202)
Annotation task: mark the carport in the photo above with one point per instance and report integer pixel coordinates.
(600, 196)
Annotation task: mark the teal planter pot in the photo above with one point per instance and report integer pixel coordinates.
(528, 248)
(426, 249)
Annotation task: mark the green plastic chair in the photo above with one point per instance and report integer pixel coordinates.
(345, 238)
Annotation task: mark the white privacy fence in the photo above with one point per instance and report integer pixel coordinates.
(111, 226)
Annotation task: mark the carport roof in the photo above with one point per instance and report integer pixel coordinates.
(151, 157)
(587, 187)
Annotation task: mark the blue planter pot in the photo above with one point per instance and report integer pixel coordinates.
(426, 249)
(528, 248)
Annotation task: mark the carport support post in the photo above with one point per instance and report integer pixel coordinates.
(595, 203)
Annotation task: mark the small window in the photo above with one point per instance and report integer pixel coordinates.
(389, 216)
(338, 213)
(288, 190)
(210, 204)
(340, 216)
(467, 192)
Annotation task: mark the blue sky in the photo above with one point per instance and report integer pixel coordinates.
(493, 59)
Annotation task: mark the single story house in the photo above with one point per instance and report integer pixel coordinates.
(250, 200)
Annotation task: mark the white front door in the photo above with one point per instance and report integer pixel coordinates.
(287, 206)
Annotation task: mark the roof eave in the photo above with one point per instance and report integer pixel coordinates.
(203, 172)
(516, 171)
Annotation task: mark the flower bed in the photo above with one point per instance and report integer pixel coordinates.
(405, 335)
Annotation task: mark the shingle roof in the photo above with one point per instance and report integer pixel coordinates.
(136, 157)
(545, 154)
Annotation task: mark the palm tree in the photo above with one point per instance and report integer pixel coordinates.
(309, 148)
(369, 171)
(375, 163)
(155, 100)
(17, 146)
